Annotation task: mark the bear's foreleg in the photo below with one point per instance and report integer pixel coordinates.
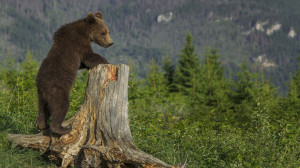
(82, 66)
(92, 60)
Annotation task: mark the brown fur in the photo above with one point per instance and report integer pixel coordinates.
(71, 50)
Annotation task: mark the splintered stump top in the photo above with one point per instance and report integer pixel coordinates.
(100, 135)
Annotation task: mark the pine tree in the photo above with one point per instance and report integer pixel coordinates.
(212, 90)
(266, 91)
(187, 68)
(297, 79)
(169, 71)
(134, 91)
(294, 94)
(244, 95)
(244, 89)
(155, 81)
(213, 84)
(293, 90)
(29, 70)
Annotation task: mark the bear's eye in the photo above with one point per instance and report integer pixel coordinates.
(103, 34)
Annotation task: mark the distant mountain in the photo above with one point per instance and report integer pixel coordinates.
(263, 32)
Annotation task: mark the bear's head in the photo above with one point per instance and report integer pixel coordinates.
(99, 32)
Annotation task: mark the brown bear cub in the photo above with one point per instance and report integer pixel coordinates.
(71, 50)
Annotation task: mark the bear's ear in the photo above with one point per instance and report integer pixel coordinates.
(90, 18)
(99, 15)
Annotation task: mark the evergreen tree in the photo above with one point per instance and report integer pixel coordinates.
(155, 81)
(187, 68)
(297, 79)
(169, 71)
(9, 72)
(29, 70)
(212, 90)
(266, 91)
(243, 95)
(294, 95)
(214, 86)
(293, 90)
(134, 91)
(245, 85)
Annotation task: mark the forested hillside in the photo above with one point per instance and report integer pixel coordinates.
(192, 110)
(261, 32)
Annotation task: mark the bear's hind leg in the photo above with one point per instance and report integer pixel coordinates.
(43, 116)
(59, 108)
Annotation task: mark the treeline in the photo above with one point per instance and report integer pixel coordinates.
(200, 86)
(184, 108)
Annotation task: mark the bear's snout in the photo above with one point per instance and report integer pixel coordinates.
(110, 44)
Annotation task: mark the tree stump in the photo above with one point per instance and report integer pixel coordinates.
(100, 135)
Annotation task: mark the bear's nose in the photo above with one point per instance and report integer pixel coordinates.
(110, 44)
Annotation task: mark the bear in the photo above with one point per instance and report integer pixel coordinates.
(71, 50)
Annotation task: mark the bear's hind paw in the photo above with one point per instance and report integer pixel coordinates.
(62, 130)
(42, 126)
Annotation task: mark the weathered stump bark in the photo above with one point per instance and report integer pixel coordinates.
(101, 134)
